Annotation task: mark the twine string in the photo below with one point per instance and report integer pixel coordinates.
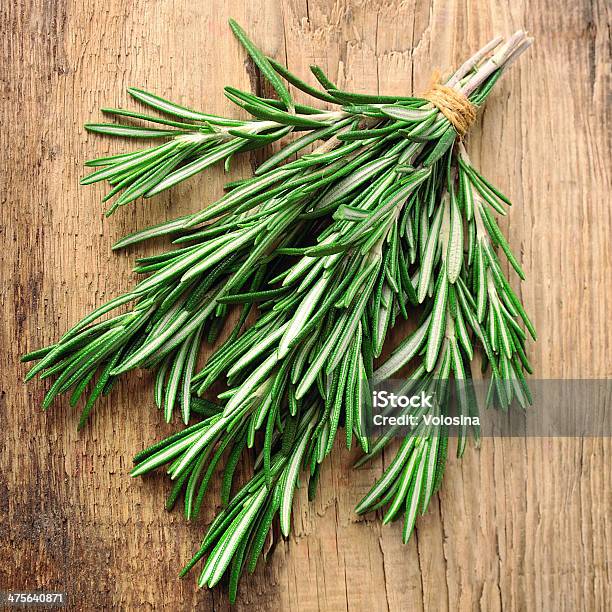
(454, 105)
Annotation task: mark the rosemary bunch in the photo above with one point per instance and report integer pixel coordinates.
(332, 247)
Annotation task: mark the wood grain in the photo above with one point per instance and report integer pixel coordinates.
(522, 524)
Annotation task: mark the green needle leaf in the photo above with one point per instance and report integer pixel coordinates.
(263, 64)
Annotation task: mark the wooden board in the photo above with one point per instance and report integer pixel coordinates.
(522, 524)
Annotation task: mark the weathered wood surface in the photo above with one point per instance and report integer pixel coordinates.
(522, 524)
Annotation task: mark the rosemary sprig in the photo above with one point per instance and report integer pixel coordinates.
(199, 140)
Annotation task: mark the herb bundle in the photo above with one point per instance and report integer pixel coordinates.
(385, 217)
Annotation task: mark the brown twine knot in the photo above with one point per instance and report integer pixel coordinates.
(454, 105)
